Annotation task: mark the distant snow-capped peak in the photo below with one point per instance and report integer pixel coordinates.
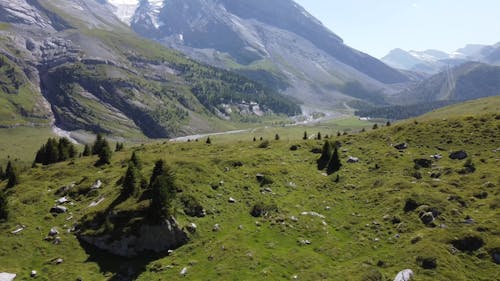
(125, 10)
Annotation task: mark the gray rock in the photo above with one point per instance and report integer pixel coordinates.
(53, 232)
(184, 271)
(401, 146)
(97, 185)
(33, 273)
(191, 228)
(4, 276)
(58, 209)
(216, 227)
(458, 155)
(146, 238)
(404, 275)
(352, 159)
(59, 261)
(427, 218)
(231, 200)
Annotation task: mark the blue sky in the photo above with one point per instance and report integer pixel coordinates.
(378, 26)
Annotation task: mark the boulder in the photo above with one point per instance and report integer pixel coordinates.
(437, 156)
(216, 227)
(146, 238)
(183, 271)
(53, 232)
(191, 228)
(424, 163)
(427, 262)
(352, 159)
(231, 200)
(401, 146)
(62, 200)
(427, 218)
(33, 273)
(495, 254)
(404, 275)
(458, 155)
(4, 276)
(96, 185)
(468, 244)
(58, 209)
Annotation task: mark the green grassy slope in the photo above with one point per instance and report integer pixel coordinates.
(365, 233)
(484, 105)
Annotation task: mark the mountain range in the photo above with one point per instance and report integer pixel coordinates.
(434, 61)
(277, 43)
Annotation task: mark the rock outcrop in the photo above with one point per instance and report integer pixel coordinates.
(146, 239)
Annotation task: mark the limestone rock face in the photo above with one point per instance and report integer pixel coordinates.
(146, 239)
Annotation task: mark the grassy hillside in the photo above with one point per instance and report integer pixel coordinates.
(484, 105)
(364, 230)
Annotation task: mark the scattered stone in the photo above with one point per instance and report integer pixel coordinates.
(240, 227)
(191, 228)
(226, 169)
(352, 159)
(184, 271)
(327, 208)
(294, 218)
(216, 228)
(96, 185)
(410, 205)
(314, 214)
(437, 156)
(58, 261)
(95, 203)
(401, 146)
(488, 184)
(427, 218)
(231, 200)
(58, 209)
(424, 163)
(404, 275)
(53, 232)
(33, 273)
(62, 200)
(458, 155)
(57, 240)
(259, 177)
(495, 254)
(294, 147)
(304, 242)
(435, 175)
(4, 276)
(267, 189)
(18, 230)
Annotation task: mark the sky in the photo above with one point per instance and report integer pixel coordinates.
(378, 26)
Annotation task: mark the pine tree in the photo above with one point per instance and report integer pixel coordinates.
(163, 193)
(305, 136)
(104, 154)
(326, 155)
(319, 136)
(86, 150)
(136, 160)
(277, 137)
(209, 141)
(254, 139)
(51, 152)
(158, 170)
(98, 144)
(63, 149)
(4, 212)
(131, 182)
(2, 174)
(375, 126)
(335, 164)
(119, 147)
(388, 124)
(11, 175)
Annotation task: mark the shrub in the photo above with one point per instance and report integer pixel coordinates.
(87, 151)
(305, 136)
(136, 160)
(277, 137)
(208, 141)
(260, 209)
(264, 144)
(192, 207)
(104, 155)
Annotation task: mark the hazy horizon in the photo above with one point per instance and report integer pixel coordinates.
(378, 27)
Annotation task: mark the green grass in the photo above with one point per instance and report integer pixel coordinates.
(355, 235)
(21, 143)
(484, 105)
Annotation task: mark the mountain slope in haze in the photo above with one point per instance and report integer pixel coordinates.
(74, 62)
(468, 81)
(276, 42)
(434, 61)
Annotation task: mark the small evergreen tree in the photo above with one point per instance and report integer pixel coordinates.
(363, 130)
(9, 170)
(375, 126)
(338, 134)
(305, 136)
(104, 154)
(319, 136)
(158, 170)
(335, 164)
(326, 155)
(163, 193)
(12, 178)
(209, 141)
(2, 174)
(254, 139)
(131, 182)
(86, 151)
(4, 212)
(277, 137)
(119, 146)
(135, 159)
(388, 124)
(98, 144)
